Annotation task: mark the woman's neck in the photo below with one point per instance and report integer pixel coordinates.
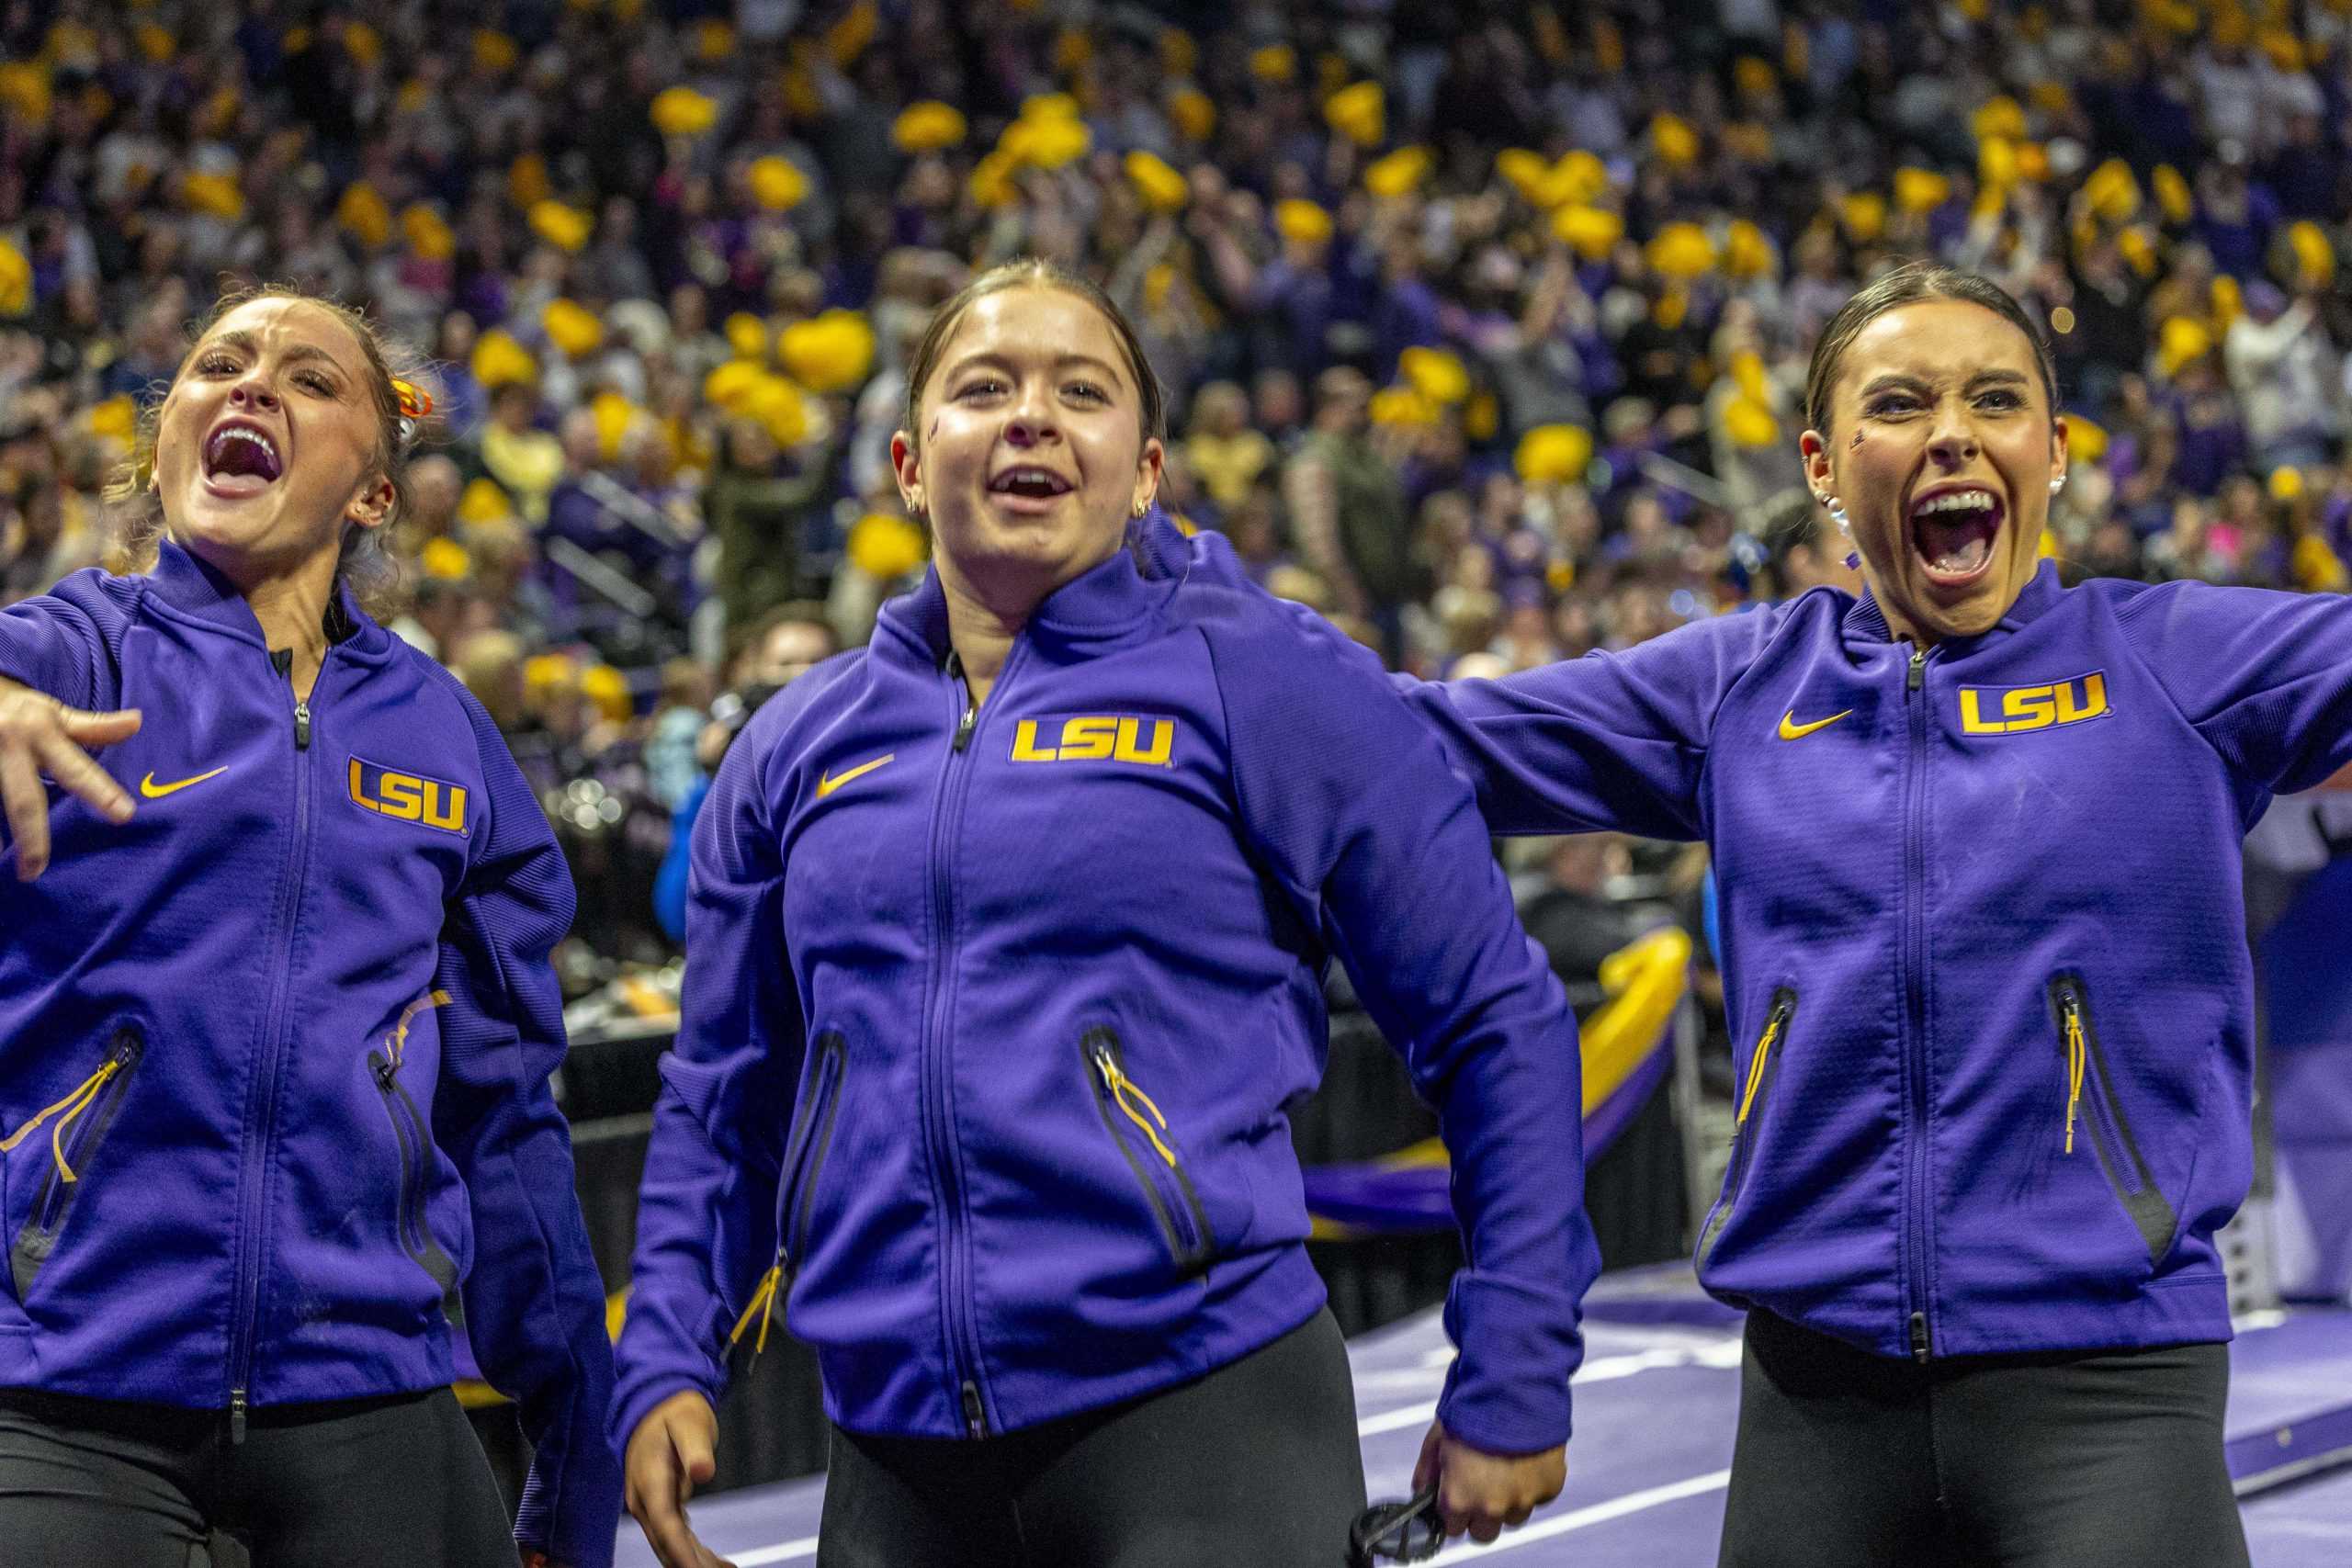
(291, 605)
(981, 629)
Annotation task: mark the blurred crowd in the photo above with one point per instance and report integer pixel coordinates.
(1484, 325)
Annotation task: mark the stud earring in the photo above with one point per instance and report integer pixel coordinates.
(1141, 507)
(2057, 484)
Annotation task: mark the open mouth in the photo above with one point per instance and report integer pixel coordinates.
(241, 459)
(1029, 482)
(1953, 532)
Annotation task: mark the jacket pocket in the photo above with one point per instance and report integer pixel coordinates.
(1763, 1067)
(1149, 1145)
(805, 1148)
(2093, 1109)
(77, 1130)
(412, 1135)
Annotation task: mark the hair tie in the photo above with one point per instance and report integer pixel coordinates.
(415, 403)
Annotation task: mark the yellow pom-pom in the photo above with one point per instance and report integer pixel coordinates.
(223, 197)
(1049, 143)
(1301, 222)
(884, 547)
(1162, 188)
(1275, 62)
(1553, 454)
(848, 38)
(608, 688)
(1359, 113)
(564, 226)
(483, 501)
(1578, 178)
(928, 127)
(527, 181)
(1749, 251)
(1674, 140)
(1593, 231)
(832, 353)
(777, 184)
(426, 233)
(1525, 171)
(1193, 114)
(444, 560)
(612, 414)
(681, 112)
(2113, 191)
(2172, 195)
(991, 183)
(778, 406)
(571, 327)
(1482, 418)
(2286, 482)
(24, 87)
(363, 215)
(1436, 373)
(1920, 190)
(116, 418)
(1048, 106)
(1400, 173)
(1401, 406)
(498, 359)
(746, 335)
(1864, 213)
(1999, 116)
(1750, 424)
(543, 673)
(2315, 255)
(728, 387)
(2180, 342)
(1681, 251)
(2228, 301)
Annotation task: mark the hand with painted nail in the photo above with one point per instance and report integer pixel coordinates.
(38, 734)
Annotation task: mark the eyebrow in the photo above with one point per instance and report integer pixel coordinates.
(1898, 379)
(1061, 362)
(246, 343)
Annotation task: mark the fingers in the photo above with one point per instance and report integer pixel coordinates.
(72, 768)
(95, 729)
(1425, 1468)
(669, 1455)
(27, 804)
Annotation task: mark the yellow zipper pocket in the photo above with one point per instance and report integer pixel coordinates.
(78, 1126)
(1763, 1066)
(811, 1140)
(1127, 1111)
(68, 1110)
(2093, 1104)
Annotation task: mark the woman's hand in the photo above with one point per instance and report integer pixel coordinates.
(36, 733)
(670, 1455)
(1481, 1493)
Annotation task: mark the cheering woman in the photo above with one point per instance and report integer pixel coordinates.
(1004, 943)
(1984, 953)
(276, 1033)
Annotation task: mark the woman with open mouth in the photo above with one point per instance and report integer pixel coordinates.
(1977, 837)
(277, 1022)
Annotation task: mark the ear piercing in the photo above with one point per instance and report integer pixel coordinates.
(2057, 484)
(1141, 507)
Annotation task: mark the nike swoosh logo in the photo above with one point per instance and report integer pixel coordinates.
(826, 784)
(153, 791)
(1792, 731)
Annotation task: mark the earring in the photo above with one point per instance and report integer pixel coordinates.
(1837, 516)
(1142, 507)
(2057, 484)
(1853, 561)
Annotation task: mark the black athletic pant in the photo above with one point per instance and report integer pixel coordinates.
(2064, 1459)
(392, 1482)
(1253, 1466)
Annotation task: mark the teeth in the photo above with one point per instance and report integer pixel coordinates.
(1958, 501)
(238, 433)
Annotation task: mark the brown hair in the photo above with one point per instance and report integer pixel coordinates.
(366, 564)
(1908, 284)
(1033, 272)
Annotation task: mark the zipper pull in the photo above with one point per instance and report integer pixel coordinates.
(1919, 673)
(303, 726)
(964, 729)
(976, 1415)
(763, 1303)
(1919, 1337)
(236, 1415)
(2071, 1005)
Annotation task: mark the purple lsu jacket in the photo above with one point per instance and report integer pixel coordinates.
(991, 1019)
(274, 1054)
(1984, 943)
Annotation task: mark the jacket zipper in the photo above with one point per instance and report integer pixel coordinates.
(803, 1154)
(1763, 1066)
(413, 1133)
(78, 1126)
(1914, 957)
(2091, 1095)
(1183, 1224)
(262, 1101)
(963, 1336)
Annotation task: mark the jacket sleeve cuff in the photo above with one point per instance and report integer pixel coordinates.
(1506, 1392)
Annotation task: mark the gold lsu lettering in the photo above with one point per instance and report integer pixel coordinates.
(408, 798)
(1092, 737)
(2024, 708)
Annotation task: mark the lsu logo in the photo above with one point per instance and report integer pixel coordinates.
(408, 798)
(2013, 710)
(1091, 738)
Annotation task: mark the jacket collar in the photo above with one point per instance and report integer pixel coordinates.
(1864, 622)
(189, 585)
(1116, 602)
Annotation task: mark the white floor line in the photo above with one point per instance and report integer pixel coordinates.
(791, 1550)
(1580, 1519)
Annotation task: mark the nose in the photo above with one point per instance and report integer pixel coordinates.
(250, 391)
(1951, 440)
(1031, 418)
